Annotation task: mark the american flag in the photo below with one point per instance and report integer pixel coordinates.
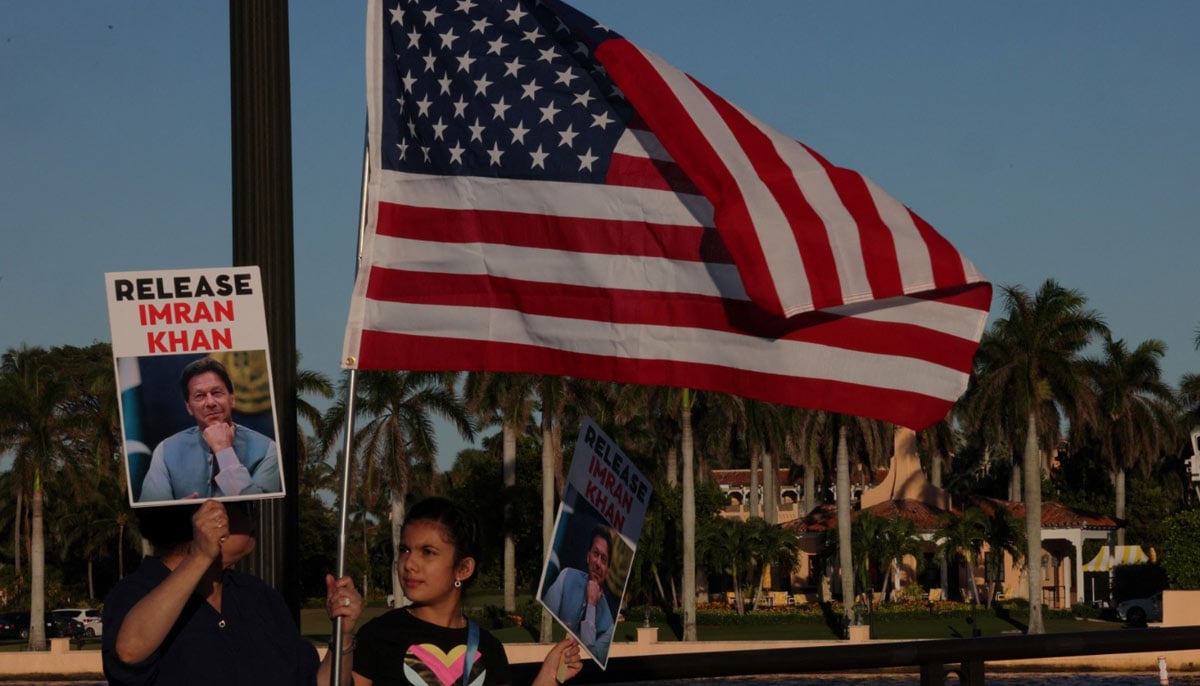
(546, 197)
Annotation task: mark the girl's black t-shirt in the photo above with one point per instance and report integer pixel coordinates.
(397, 649)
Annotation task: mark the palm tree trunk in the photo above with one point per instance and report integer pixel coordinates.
(17, 521)
(845, 559)
(546, 634)
(510, 546)
(1015, 484)
(37, 568)
(1119, 487)
(1033, 526)
(770, 490)
(672, 467)
(91, 579)
(689, 520)
(810, 489)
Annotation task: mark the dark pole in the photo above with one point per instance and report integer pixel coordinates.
(262, 235)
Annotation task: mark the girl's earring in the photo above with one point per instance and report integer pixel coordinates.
(458, 583)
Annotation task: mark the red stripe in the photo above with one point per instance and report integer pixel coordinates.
(671, 122)
(809, 232)
(670, 310)
(643, 172)
(568, 234)
(382, 350)
(947, 262)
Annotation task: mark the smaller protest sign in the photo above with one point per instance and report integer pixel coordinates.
(196, 400)
(595, 538)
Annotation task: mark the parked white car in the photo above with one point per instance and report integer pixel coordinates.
(1141, 610)
(90, 619)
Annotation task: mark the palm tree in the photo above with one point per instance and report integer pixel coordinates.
(773, 546)
(508, 398)
(964, 534)
(397, 444)
(33, 428)
(1134, 413)
(1027, 366)
(727, 545)
(1004, 534)
(897, 540)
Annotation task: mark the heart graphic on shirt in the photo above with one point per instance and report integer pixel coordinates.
(431, 665)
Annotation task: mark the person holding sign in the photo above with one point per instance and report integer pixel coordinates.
(186, 617)
(431, 641)
(578, 598)
(215, 458)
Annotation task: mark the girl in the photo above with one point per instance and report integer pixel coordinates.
(430, 641)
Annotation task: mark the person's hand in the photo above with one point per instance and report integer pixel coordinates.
(593, 592)
(219, 436)
(343, 600)
(210, 528)
(563, 662)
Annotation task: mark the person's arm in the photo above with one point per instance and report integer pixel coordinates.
(266, 472)
(232, 476)
(151, 619)
(341, 600)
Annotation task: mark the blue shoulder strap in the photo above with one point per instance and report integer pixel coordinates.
(472, 650)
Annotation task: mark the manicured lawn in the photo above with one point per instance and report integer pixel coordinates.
(797, 626)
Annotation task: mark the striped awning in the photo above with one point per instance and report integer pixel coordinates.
(1108, 558)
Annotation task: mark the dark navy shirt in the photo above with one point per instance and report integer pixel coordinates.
(253, 640)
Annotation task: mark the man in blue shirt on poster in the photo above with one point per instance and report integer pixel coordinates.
(579, 598)
(216, 458)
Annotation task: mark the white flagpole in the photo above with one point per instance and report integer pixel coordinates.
(348, 450)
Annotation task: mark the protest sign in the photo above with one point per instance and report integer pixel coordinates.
(595, 537)
(196, 400)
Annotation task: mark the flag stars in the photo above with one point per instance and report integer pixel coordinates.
(414, 38)
(456, 153)
(431, 16)
(518, 132)
(448, 39)
(549, 112)
(477, 131)
(397, 15)
(565, 77)
(497, 46)
(586, 160)
(547, 55)
(423, 106)
(460, 107)
(511, 68)
(583, 98)
(530, 89)
(403, 145)
(494, 154)
(534, 36)
(444, 84)
(480, 25)
(601, 120)
(465, 61)
(408, 80)
(425, 153)
(430, 60)
(538, 158)
(500, 108)
(438, 130)
(516, 14)
(567, 137)
(465, 6)
(481, 85)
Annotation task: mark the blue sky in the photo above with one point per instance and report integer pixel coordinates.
(1043, 139)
